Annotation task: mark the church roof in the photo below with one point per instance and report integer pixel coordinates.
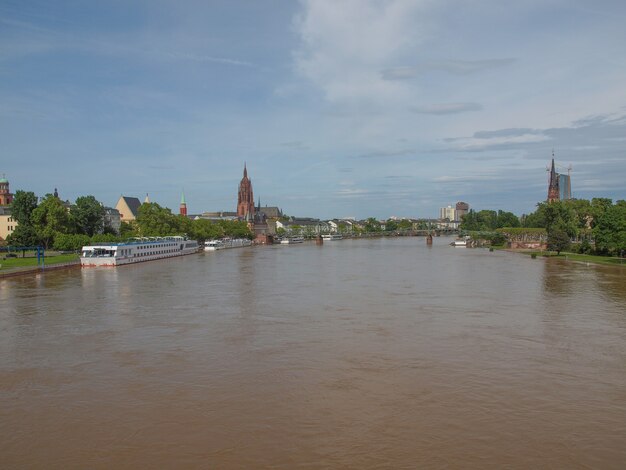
(133, 204)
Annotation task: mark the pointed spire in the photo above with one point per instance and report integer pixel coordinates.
(553, 185)
(182, 197)
(245, 170)
(147, 199)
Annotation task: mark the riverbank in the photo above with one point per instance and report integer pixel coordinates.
(21, 266)
(574, 257)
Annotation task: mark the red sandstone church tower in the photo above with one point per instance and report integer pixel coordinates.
(182, 210)
(245, 201)
(553, 186)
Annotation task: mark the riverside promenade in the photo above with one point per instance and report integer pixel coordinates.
(24, 270)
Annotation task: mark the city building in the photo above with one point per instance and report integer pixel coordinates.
(447, 213)
(7, 223)
(112, 219)
(462, 208)
(128, 208)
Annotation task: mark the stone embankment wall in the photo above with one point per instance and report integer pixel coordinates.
(37, 269)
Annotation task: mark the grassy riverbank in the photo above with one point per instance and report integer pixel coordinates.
(594, 259)
(31, 261)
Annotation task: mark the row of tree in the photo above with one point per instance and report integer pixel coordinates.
(55, 224)
(40, 222)
(597, 225)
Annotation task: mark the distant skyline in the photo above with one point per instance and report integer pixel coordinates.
(362, 108)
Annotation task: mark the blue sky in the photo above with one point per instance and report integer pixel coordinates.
(339, 107)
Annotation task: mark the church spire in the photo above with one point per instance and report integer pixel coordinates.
(183, 205)
(553, 185)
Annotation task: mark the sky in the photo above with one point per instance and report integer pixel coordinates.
(339, 108)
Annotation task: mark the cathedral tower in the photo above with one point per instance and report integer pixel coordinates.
(553, 186)
(245, 200)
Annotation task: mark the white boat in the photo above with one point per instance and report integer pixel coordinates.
(462, 242)
(214, 245)
(136, 251)
(236, 242)
(332, 236)
(290, 240)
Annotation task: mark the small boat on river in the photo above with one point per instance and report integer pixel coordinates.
(461, 242)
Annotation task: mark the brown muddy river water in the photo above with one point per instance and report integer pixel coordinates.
(358, 354)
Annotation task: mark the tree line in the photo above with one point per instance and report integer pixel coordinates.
(596, 226)
(51, 223)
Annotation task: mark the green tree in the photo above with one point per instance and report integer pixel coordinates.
(88, 215)
(184, 225)
(236, 229)
(506, 219)
(23, 205)
(609, 229)
(128, 230)
(372, 225)
(203, 229)
(558, 240)
(70, 241)
(23, 235)
(155, 221)
(105, 238)
(50, 218)
(391, 225)
(405, 224)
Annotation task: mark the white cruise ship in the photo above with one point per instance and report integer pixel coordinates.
(137, 251)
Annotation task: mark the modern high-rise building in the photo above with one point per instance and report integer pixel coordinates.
(462, 208)
(565, 187)
(447, 213)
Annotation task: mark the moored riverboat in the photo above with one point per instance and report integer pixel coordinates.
(332, 237)
(291, 240)
(136, 251)
(214, 245)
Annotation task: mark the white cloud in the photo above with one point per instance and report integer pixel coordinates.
(345, 44)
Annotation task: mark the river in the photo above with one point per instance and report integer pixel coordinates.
(377, 353)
